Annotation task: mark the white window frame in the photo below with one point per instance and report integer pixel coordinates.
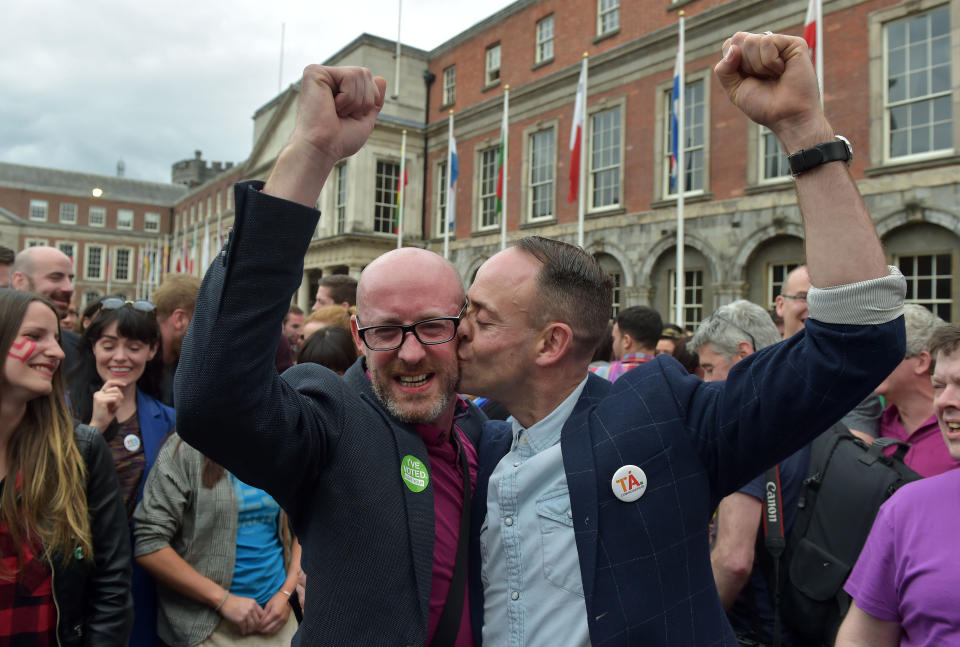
(75, 247)
(944, 96)
(35, 242)
(89, 296)
(219, 201)
(101, 273)
(449, 85)
(764, 137)
(101, 220)
(38, 210)
(151, 221)
(608, 11)
(913, 279)
(229, 198)
(382, 206)
(122, 215)
(663, 140)
(115, 263)
(492, 58)
(592, 171)
(65, 213)
(548, 133)
(440, 173)
(690, 306)
(544, 40)
(775, 277)
(487, 160)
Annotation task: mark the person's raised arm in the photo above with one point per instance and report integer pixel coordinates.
(338, 108)
(771, 79)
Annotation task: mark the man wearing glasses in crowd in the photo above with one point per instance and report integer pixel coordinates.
(371, 467)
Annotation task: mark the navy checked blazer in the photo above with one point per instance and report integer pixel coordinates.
(645, 565)
(320, 444)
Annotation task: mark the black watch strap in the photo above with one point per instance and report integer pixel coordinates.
(839, 150)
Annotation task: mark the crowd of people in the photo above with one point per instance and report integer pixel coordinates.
(217, 467)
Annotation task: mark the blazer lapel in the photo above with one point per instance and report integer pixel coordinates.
(576, 443)
(419, 505)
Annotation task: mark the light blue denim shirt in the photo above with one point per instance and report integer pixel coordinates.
(533, 594)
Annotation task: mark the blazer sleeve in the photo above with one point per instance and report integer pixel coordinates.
(231, 404)
(109, 605)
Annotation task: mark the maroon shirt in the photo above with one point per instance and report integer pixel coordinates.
(446, 474)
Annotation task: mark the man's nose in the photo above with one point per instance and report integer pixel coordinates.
(411, 350)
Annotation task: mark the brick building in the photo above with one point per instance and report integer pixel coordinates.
(103, 223)
(891, 83)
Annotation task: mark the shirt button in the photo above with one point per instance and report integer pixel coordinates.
(508, 521)
(516, 464)
(569, 514)
(515, 595)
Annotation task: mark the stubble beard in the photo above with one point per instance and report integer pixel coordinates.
(408, 411)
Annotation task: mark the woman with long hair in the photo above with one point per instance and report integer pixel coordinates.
(114, 389)
(221, 551)
(64, 549)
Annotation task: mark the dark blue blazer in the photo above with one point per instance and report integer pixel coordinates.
(645, 565)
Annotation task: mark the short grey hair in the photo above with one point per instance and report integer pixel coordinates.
(734, 323)
(920, 324)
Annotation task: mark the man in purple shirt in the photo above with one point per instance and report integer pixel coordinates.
(904, 583)
(909, 416)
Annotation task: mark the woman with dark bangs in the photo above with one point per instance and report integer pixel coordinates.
(64, 552)
(114, 389)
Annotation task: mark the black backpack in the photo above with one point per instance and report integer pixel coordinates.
(847, 482)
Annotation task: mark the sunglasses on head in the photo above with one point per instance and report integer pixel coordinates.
(115, 303)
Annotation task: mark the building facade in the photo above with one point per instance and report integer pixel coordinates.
(106, 224)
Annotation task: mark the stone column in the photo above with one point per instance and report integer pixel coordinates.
(304, 299)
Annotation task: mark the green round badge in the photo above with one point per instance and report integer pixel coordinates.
(414, 473)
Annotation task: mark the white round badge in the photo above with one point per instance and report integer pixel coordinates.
(629, 483)
(131, 442)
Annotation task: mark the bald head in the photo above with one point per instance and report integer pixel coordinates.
(407, 272)
(792, 301)
(45, 271)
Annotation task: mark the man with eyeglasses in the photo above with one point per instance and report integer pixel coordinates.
(375, 468)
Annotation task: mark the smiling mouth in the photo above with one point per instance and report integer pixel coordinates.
(413, 380)
(44, 369)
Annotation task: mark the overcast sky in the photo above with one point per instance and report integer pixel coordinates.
(84, 84)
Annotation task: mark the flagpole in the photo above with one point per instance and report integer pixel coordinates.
(396, 56)
(448, 189)
(681, 176)
(819, 47)
(400, 183)
(581, 182)
(506, 165)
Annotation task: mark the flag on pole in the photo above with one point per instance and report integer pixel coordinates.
(454, 174)
(674, 118)
(810, 28)
(576, 136)
(503, 156)
(108, 271)
(813, 34)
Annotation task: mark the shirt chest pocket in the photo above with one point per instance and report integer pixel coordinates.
(561, 565)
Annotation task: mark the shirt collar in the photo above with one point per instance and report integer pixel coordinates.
(546, 432)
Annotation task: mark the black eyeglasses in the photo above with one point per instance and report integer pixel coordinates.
(799, 296)
(429, 332)
(753, 342)
(115, 303)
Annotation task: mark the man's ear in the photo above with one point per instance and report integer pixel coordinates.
(181, 319)
(19, 281)
(627, 343)
(554, 343)
(743, 349)
(355, 334)
(923, 363)
(778, 304)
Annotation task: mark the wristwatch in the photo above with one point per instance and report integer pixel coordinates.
(805, 159)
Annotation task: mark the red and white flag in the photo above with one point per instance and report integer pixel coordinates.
(576, 136)
(810, 27)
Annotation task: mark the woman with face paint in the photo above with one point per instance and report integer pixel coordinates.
(64, 549)
(114, 389)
